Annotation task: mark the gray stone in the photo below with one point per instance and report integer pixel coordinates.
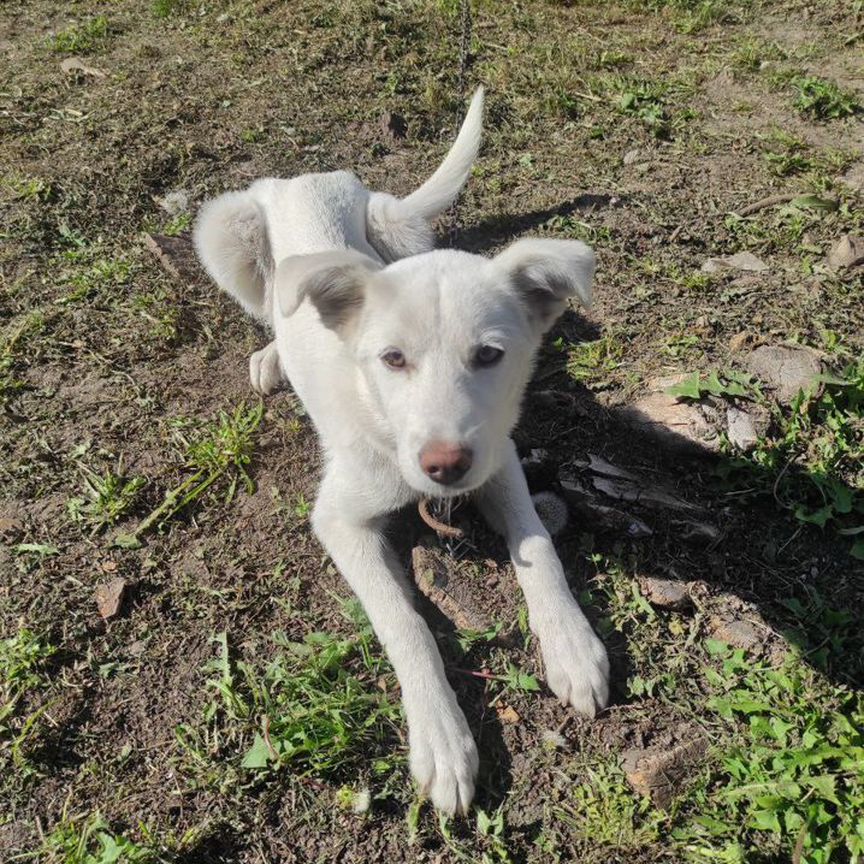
(786, 369)
(745, 426)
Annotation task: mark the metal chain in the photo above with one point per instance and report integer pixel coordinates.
(464, 51)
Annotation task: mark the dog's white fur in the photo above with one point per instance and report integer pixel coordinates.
(343, 276)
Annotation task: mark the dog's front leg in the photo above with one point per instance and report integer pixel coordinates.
(577, 669)
(265, 371)
(443, 754)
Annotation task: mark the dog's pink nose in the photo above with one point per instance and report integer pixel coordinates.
(444, 462)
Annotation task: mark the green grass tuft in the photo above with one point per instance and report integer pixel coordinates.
(823, 100)
(82, 38)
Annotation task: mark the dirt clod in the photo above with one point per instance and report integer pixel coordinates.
(745, 426)
(740, 341)
(393, 126)
(665, 593)
(848, 251)
(735, 632)
(660, 773)
(75, 65)
(109, 597)
(740, 261)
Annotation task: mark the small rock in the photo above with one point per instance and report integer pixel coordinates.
(109, 597)
(740, 341)
(848, 251)
(735, 632)
(138, 647)
(665, 593)
(745, 427)
(659, 773)
(631, 156)
(393, 126)
(785, 368)
(739, 261)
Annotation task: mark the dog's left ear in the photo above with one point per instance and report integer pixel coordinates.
(546, 273)
(334, 282)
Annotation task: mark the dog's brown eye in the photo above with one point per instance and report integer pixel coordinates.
(394, 359)
(487, 355)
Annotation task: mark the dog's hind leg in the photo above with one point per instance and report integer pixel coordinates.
(577, 669)
(265, 371)
(443, 754)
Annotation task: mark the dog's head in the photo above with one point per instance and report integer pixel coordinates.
(445, 342)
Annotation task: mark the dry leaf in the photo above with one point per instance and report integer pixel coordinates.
(75, 64)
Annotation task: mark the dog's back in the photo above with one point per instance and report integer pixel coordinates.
(242, 236)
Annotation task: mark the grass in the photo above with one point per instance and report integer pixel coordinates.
(106, 498)
(99, 346)
(784, 771)
(791, 779)
(89, 840)
(14, 337)
(812, 459)
(217, 455)
(84, 38)
(319, 708)
(823, 100)
(593, 363)
(23, 684)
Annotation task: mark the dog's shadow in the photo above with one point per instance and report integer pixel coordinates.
(754, 552)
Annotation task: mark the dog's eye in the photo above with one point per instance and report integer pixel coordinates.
(487, 355)
(393, 358)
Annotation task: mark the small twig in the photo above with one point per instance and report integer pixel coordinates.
(265, 729)
(798, 851)
(438, 527)
(782, 504)
(770, 201)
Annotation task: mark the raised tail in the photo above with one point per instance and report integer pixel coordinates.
(398, 227)
(443, 187)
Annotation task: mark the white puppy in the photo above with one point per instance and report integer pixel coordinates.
(413, 372)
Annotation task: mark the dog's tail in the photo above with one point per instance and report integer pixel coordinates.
(398, 227)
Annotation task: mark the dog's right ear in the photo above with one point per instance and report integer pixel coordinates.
(334, 282)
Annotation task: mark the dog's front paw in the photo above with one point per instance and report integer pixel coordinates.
(265, 373)
(577, 668)
(443, 757)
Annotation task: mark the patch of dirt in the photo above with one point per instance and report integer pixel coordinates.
(121, 354)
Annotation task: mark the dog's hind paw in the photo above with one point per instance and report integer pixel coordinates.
(577, 668)
(265, 372)
(444, 759)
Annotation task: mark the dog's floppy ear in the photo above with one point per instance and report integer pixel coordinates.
(232, 244)
(334, 282)
(546, 273)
